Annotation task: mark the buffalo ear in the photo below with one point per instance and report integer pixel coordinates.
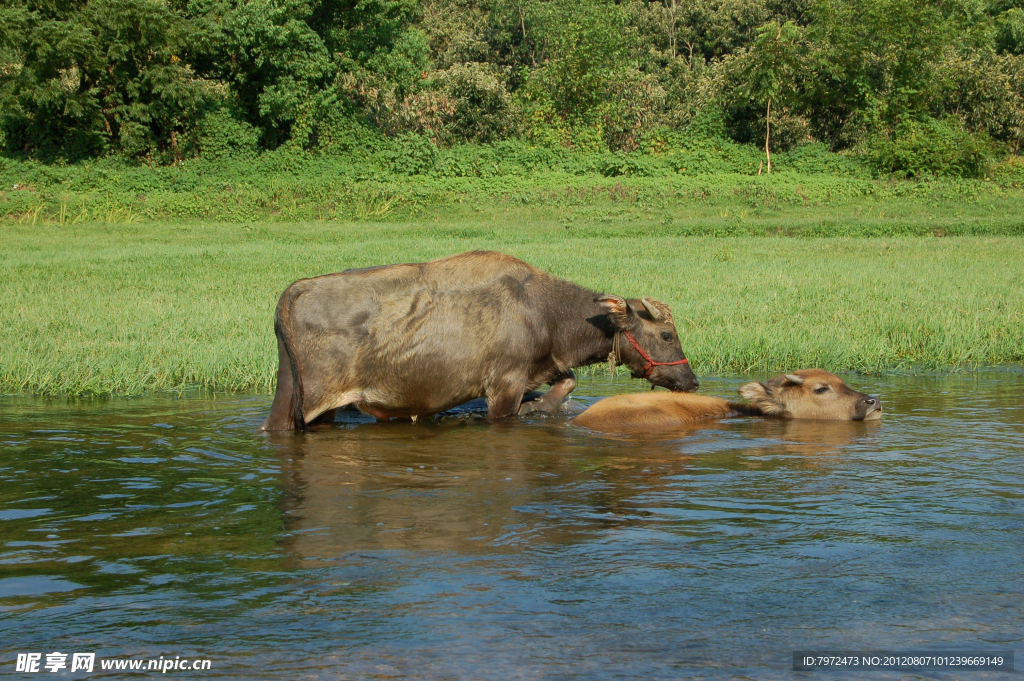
(753, 391)
(760, 398)
(623, 316)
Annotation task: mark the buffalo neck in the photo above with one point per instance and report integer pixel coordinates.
(583, 333)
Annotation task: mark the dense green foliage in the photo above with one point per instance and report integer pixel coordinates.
(677, 183)
(911, 87)
(125, 308)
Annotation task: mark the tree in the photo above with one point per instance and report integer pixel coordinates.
(579, 46)
(83, 78)
(769, 70)
(870, 63)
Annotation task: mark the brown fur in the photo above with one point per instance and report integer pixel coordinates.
(791, 396)
(654, 411)
(417, 339)
(811, 394)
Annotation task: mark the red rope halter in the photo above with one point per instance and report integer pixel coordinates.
(651, 362)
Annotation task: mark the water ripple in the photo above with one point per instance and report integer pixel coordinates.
(536, 550)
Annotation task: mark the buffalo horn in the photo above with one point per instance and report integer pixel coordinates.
(653, 311)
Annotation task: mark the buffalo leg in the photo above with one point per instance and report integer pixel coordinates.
(561, 386)
(503, 400)
(379, 415)
(282, 411)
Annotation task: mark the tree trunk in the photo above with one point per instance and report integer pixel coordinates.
(522, 22)
(767, 134)
(672, 35)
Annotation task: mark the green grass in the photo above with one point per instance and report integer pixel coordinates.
(834, 196)
(121, 309)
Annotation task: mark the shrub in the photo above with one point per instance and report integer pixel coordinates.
(413, 155)
(619, 164)
(917, 148)
(988, 91)
(1010, 31)
(696, 151)
(633, 105)
(483, 110)
(335, 129)
(222, 136)
(815, 158)
(428, 113)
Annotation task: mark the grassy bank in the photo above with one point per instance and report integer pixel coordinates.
(811, 193)
(104, 309)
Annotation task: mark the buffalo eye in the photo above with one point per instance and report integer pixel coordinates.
(820, 389)
(666, 336)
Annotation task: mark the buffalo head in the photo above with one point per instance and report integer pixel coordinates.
(645, 327)
(811, 394)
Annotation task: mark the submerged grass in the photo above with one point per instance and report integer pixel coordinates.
(105, 308)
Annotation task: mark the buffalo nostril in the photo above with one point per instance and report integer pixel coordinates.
(871, 400)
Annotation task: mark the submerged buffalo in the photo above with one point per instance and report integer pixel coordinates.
(403, 341)
(805, 394)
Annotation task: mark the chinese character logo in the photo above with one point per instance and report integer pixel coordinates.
(82, 661)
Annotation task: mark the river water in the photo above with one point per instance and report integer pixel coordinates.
(453, 549)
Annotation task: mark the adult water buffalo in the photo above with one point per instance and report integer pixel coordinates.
(804, 394)
(414, 340)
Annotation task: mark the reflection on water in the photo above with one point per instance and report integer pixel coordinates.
(454, 549)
